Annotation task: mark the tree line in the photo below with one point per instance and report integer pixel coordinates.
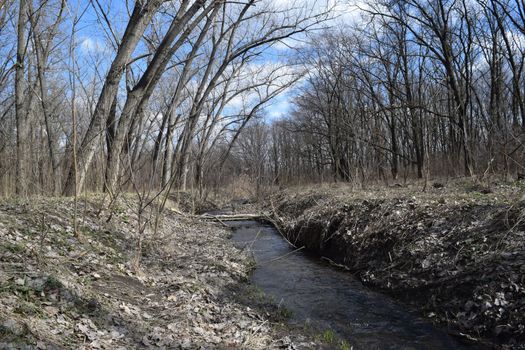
(416, 89)
(168, 94)
(102, 97)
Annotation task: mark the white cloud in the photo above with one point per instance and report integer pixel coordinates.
(280, 108)
(92, 45)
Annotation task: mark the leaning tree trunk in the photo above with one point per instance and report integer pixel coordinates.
(139, 96)
(137, 24)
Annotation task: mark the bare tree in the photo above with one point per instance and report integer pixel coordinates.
(21, 105)
(139, 19)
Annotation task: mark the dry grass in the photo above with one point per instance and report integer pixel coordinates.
(62, 291)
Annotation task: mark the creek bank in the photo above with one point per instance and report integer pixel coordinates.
(331, 302)
(459, 258)
(62, 291)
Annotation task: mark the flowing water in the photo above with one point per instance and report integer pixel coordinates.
(329, 298)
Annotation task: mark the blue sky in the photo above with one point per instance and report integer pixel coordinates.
(95, 42)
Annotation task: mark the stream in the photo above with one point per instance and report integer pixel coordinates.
(325, 297)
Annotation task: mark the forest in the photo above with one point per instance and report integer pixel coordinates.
(176, 95)
(175, 173)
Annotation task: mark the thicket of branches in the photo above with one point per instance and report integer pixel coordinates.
(173, 93)
(418, 89)
(159, 89)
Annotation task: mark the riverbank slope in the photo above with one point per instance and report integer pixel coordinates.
(59, 290)
(458, 254)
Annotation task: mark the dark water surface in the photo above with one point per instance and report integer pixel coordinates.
(329, 298)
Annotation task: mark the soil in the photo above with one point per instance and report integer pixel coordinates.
(456, 253)
(59, 290)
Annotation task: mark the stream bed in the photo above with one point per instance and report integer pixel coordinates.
(328, 298)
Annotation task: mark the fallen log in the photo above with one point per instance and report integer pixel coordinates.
(232, 217)
(244, 217)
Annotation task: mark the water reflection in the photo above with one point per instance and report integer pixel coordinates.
(329, 298)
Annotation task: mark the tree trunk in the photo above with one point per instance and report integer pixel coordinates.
(138, 97)
(22, 117)
(137, 24)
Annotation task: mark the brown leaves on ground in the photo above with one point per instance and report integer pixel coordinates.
(59, 292)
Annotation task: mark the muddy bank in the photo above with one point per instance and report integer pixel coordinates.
(60, 291)
(460, 258)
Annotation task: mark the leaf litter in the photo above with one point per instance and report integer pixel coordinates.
(60, 292)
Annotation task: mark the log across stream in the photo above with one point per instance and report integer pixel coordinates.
(328, 298)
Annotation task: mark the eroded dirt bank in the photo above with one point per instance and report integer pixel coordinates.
(459, 257)
(61, 291)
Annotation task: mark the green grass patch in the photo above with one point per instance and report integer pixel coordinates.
(328, 336)
(52, 283)
(29, 309)
(15, 248)
(284, 313)
(256, 294)
(344, 345)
